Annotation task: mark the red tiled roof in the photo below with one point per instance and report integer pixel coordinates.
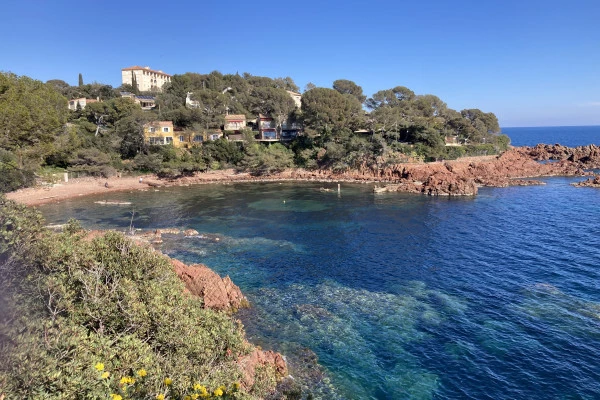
(235, 116)
(137, 67)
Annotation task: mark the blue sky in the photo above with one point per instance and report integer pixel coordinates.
(532, 63)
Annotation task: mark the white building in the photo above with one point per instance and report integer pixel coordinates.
(82, 103)
(297, 97)
(147, 79)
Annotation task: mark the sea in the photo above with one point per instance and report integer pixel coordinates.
(394, 295)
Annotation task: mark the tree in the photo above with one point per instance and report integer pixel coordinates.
(276, 103)
(80, 80)
(32, 113)
(261, 160)
(212, 107)
(134, 84)
(286, 83)
(348, 87)
(489, 121)
(324, 108)
(309, 86)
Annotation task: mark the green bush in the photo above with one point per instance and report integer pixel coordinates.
(69, 303)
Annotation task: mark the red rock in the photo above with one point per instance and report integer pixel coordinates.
(259, 358)
(218, 293)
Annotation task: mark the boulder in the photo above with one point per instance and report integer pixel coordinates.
(218, 293)
(260, 358)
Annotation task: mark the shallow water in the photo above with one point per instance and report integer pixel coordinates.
(400, 296)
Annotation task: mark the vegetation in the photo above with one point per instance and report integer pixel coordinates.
(342, 128)
(89, 318)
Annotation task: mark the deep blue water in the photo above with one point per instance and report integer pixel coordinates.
(571, 136)
(400, 296)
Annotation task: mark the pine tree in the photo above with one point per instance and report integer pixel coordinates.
(80, 80)
(134, 83)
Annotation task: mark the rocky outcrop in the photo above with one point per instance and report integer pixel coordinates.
(260, 358)
(583, 156)
(591, 182)
(218, 293)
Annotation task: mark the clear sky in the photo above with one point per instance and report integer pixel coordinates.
(532, 63)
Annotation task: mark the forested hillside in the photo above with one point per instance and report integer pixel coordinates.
(342, 128)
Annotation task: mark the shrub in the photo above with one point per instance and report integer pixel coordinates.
(69, 303)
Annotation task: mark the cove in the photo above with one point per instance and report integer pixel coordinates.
(399, 296)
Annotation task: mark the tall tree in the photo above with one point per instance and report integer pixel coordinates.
(309, 86)
(345, 86)
(80, 80)
(134, 84)
(328, 109)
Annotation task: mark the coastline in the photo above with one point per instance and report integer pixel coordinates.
(454, 178)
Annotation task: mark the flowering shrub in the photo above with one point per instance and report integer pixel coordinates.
(76, 314)
(135, 388)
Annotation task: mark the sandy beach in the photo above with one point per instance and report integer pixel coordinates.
(34, 196)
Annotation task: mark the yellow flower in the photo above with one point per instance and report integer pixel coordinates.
(168, 381)
(197, 386)
(105, 375)
(142, 373)
(187, 397)
(127, 380)
(194, 396)
(236, 386)
(99, 367)
(116, 396)
(218, 392)
(160, 396)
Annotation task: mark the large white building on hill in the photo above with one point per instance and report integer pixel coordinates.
(148, 80)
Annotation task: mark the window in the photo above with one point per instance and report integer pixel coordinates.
(156, 140)
(169, 139)
(165, 129)
(198, 138)
(181, 138)
(151, 129)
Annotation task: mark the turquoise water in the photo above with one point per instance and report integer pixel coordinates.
(399, 296)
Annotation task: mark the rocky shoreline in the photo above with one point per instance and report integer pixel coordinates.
(593, 182)
(460, 177)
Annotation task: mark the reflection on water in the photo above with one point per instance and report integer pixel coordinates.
(398, 296)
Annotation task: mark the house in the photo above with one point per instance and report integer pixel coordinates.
(191, 103)
(146, 102)
(289, 130)
(147, 79)
(82, 103)
(234, 122)
(267, 129)
(297, 97)
(197, 138)
(451, 141)
(162, 132)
